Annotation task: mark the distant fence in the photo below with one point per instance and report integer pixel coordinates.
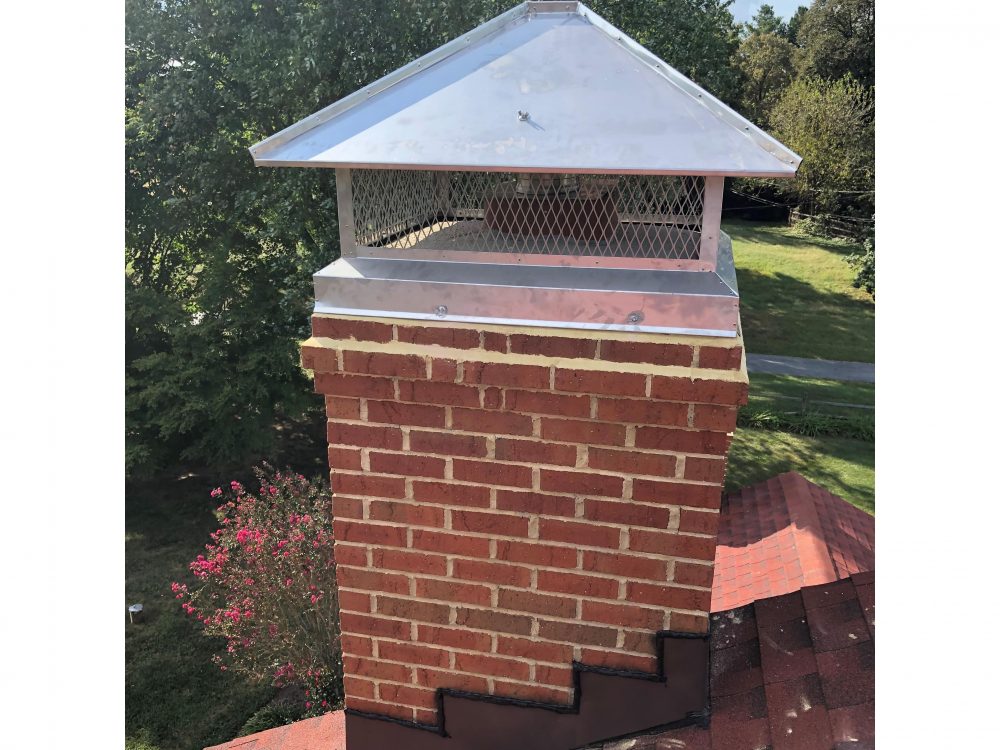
(837, 226)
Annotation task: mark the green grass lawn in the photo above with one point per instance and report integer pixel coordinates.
(794, 393)
(796, 297)
(844, 467)
(175, 699)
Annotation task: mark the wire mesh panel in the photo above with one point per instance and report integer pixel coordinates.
(616, 216)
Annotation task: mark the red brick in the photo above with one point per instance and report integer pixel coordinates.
(494, 342)
(535, 452)
(358, 687)
(475, 570)
(348, 507)
(672, 545)
(342, 408)
(495, 524)
(407, 465)
(534, 693)
(354, 601)
(413, 653)
(360, 330)
(344, 458)
(363, 435)
(517, 376)
(701, 522)
(713, 417)
(632, 462)
(622, 615)
(539, 554)
(451, 544)
(569, 632)
(377, 707)
(492, 398)
(581, 483)
(642, 412)
(488, 472)
(682, 441)
(394, 412)
(626, 566)
(586, 534)
(444, 370)
(683, 622)
(443, 493)
(676, 493)
(552, 346)
(491, 422)
(690, 574)
(669, 596)
(595, 381)
(408, 695)
(426, 716)
(372, 580)
(406, 514)
(526, 601)
(578, 585)
(561, 676)
(381, 363)
(379, 670)
(560, 405)
(449, 444)
(627, 513)
(362, 386)
(493, 621)
(430, 392)
(362, 532)
(367, 485)
(410, 562)
(720, 358)
(350, 554)
(705, 469)
(598, 658)
(456, 338)
(355, 623)
(558, 653)
(698, 390)
(454, 638)
(319, 359)
(447, 679)
(451, 591)
(409, 609)
(536, 503)
(639, 640)
(647, 352)
(491, 665)
(584, 432)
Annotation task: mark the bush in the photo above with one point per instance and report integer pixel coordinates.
(864, 267)
(272, 715)
(267, 585)
(810, 424)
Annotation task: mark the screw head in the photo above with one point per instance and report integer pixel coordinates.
(441, 311)
(635, 317)
(523, 115)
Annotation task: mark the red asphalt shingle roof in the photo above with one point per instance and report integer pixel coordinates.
(783, 534)
(324, 732)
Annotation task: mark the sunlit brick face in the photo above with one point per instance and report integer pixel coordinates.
(508, 500)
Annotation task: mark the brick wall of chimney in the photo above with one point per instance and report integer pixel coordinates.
(508, 500)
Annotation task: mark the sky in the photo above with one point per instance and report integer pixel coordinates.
(744, 10)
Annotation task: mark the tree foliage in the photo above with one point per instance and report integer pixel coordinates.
(766, 61)
(829, 124)
(766, 21)
(837, 38)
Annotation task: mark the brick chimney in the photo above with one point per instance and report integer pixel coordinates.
(511, 500)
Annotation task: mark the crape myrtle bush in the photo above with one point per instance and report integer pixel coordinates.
(266, 585)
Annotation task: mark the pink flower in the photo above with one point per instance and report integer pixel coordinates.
(217, 492)
(308, 704)
(288, 581)
(313, 599)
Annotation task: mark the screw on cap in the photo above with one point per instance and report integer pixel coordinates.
(440, 311)
(635, 317)
(522, 115)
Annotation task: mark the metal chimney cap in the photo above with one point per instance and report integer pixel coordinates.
(610, 106)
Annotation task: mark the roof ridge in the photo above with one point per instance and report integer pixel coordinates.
(807, 530)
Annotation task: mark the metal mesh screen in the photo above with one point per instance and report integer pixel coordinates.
(617, 216)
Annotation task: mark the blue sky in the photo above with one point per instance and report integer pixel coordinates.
(744, 10)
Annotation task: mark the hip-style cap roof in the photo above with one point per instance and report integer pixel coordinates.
(544, 87)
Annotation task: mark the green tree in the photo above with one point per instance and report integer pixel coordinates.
(795, 23)
(829, 124)
(837, 38)
(765, 21)
(766, 62)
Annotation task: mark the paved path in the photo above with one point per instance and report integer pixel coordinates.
(811, 368)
